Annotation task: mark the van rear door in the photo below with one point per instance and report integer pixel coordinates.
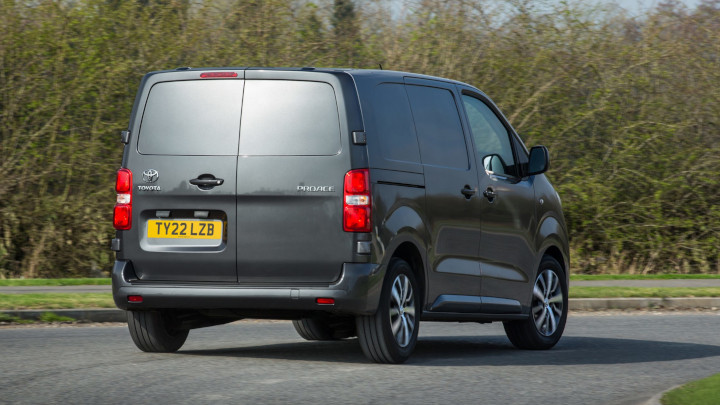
(184, 162)
(291, 168)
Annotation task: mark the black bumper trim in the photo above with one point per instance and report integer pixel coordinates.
(357, 292)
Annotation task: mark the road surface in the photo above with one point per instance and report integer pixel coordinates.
(602, 359)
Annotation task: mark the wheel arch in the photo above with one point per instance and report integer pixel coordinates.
(555, 252)
(410, 253)
(552, 240)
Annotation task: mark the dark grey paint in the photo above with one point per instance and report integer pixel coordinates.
(283, 248)
(286, 235)
(178, 196)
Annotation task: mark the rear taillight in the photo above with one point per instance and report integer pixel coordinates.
(356, 201)
(122, 215)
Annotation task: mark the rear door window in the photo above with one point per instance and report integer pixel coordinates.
(289, 118)
(192, 117)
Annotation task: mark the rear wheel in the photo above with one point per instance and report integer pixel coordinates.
(548, 310)
(154, 331)
(390, 335)
(325, 328)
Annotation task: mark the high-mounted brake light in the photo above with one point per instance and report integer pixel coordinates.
(122, 214)
(216, 75)
(356, 201)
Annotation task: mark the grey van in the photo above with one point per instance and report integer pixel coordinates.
(352, 202)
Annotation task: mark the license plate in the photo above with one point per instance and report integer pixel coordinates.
(179, 229)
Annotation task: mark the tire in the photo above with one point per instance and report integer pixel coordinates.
(152, 331)
(390, 335)
(548, 310)
(325, 328)
(312, 329)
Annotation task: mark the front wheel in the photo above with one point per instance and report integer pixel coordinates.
(155, 331)
(548, 310)
(390, 335)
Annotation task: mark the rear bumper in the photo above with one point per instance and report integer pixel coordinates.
(357, 292)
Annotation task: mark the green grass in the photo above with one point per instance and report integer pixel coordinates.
(56, 301)
(45, 317)
(643, 292)
(53, 317)
(38, 282)
(702, 392)
(601, 277)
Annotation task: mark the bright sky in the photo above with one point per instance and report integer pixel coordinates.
(635, 6)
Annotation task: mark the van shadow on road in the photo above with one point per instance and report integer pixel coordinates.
(483, 351)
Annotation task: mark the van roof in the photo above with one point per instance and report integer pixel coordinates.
(377, 74)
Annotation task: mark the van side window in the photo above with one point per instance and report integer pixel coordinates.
(438, 127)
(394, 123)
(492, 140)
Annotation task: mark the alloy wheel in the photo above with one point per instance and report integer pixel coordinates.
(402, 310)
(547, 303)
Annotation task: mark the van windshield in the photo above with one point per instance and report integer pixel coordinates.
(252, 118)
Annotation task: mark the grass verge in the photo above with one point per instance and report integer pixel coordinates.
(701, 392)
(45, 317)
(40, 282)
(56, 301)
(602, 277)
(643, 292)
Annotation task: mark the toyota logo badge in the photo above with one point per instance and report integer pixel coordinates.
(150, 175)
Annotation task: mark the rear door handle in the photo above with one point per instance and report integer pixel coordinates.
(206, 181)
(468, 192)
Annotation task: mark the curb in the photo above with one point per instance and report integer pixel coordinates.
(599, 304)
(575, 304)
(655, 400)
(82, 315)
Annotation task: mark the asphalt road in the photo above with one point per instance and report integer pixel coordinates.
(602, 359)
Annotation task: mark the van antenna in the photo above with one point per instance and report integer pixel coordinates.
(380, 64)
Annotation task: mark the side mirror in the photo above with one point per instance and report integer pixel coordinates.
(539, 160)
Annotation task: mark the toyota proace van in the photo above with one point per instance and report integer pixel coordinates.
(352, 202)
